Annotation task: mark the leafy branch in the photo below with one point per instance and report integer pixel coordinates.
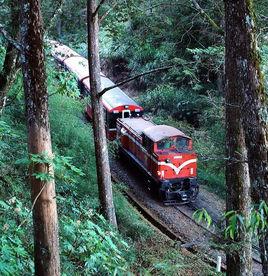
(236, 223)
(133, 78)
(203, 215)
(10, 39)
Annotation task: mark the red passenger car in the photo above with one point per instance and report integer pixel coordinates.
(116, 103)
(165, 154)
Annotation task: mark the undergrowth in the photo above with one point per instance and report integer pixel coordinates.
(88, 245)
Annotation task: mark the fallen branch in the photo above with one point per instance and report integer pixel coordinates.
(12, 41)
(133, 78)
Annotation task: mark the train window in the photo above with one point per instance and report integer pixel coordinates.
(135, 114)
(111, 119)
(147, 143)
(180, 144)
(165, 144)
(126, 113)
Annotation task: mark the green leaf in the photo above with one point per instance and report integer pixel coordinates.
(43, 176)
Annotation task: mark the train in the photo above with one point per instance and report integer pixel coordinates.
(116, 103)
(163, 153)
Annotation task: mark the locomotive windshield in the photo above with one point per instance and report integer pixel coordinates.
(180, 144)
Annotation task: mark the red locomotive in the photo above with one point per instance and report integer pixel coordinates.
(164, 153)
(115, 102)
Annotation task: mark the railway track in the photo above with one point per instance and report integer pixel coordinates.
(186, 211)
(163, 228)
(215, 222)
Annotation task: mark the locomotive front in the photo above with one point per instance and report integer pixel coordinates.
(176, 169)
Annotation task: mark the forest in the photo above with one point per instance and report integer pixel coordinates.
(73, 200)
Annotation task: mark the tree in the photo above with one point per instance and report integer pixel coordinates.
(101, 150)
(8, 72)
(41, 178)
(254, 106)
(237, 169)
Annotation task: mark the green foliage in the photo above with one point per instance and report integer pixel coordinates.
(6, 135)
(15, 242)
(212, 57)
(259, 218)
(131, 223)
(65, 170)
(257, 223)
(164, 98)
(66, 83)
(62, 165)
(237, 224)
(96, 247)
(2, 54)
(202, 215)
(87, 239)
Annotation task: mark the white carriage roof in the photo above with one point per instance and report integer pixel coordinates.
(78, 65)
(60, 51)
(159, 132)
(115, 97)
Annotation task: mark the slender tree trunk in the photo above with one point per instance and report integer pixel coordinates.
(237, 170)
(8, 71)
(45, 221)
(101, 151)
(7, 74)
(254, 108)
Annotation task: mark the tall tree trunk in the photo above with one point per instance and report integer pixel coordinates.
(8, 71)
(101, 151)
(45, 221)
(254, 107)
(237, 170)
(7, 74)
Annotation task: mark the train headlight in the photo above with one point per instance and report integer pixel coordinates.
(168, 161)
(123, 131)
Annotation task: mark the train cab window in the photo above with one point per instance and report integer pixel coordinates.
(179, 144)
(111, 119)
(164, 144)
(126, 113)
(182, 144)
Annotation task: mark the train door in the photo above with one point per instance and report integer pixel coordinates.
(111, 118)
(126, 113)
